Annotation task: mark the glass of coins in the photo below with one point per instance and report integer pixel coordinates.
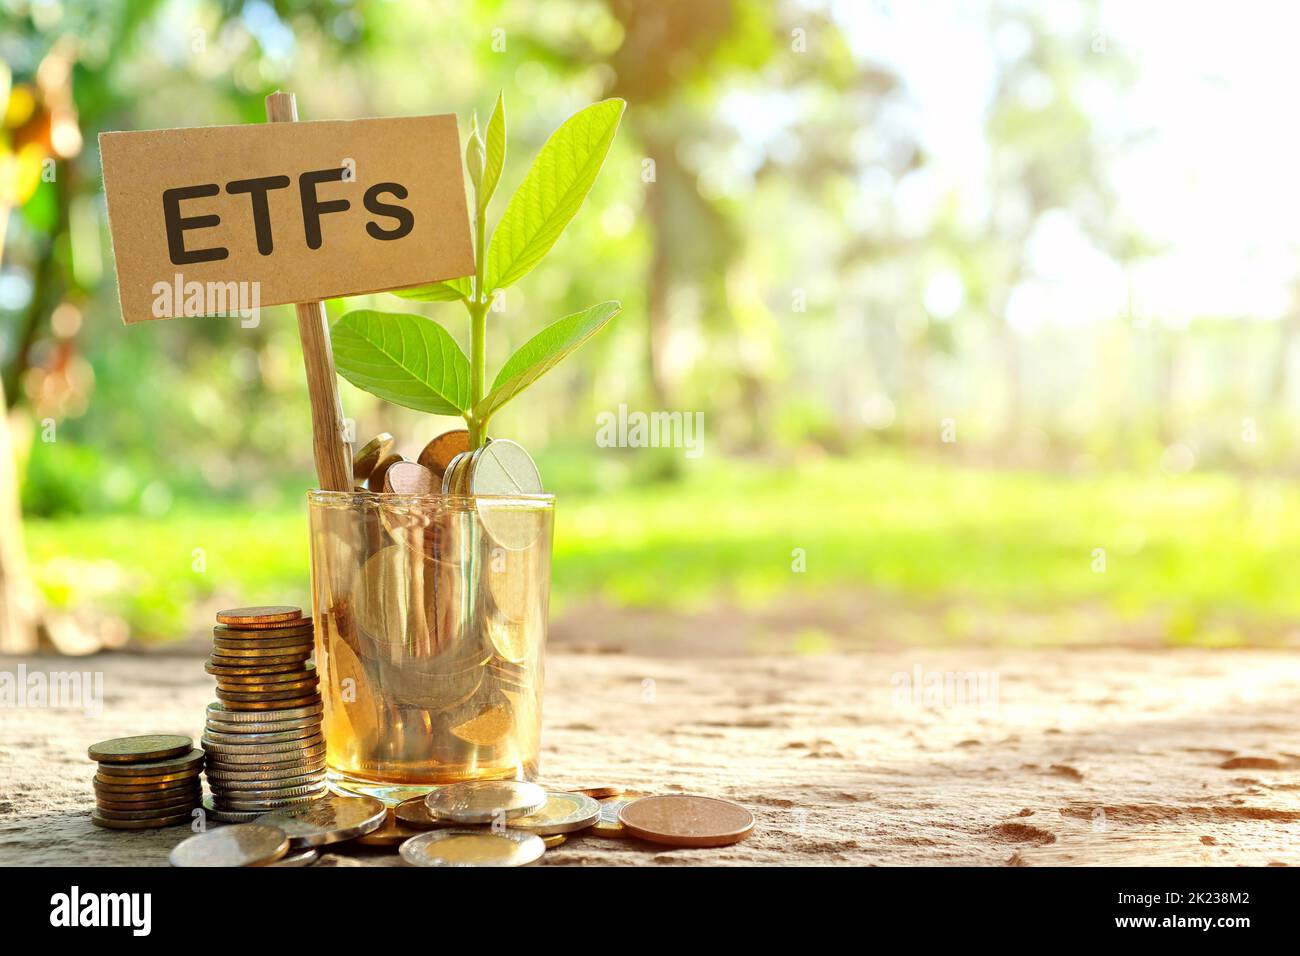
(431, 614)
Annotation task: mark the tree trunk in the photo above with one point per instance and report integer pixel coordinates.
(17, 606)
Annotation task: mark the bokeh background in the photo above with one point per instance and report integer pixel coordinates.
(990, 308)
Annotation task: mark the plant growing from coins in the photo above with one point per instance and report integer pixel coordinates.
(411, 361)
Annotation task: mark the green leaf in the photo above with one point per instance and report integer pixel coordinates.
(551, 193)
(496, 153)
(405, 359)
(449, 291)
(542, 353)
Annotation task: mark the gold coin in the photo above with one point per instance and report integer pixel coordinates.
(371, 453)
(270, 652)
(111, 808)
(438, 454)
(267, 614)
(142, 749)
(331, 819)
(276, 689)
(125, 800)
(307, 671)
(266, 705)
(414, 813)
(254, 670)
(148, 813)
(472, 848)
(279, 693)
(391, 833)
(375, 481)
(483, 801)
(111, 824)
(245, 844)
(191, 760)
(221, 661)
(563, 813)
(555, 839)
(408, 478)
(278, 645)
(145, 784)
(608, 824)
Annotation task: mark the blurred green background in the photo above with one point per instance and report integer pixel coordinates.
(990, 310)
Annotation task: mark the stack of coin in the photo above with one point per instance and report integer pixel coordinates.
(263, 738)
(146, 782)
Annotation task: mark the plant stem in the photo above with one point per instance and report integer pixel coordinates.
(478, 329)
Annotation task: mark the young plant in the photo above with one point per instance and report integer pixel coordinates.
(409, 360)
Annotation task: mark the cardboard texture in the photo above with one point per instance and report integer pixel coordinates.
(303, 212)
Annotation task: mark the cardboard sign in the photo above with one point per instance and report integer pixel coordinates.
(288, 212)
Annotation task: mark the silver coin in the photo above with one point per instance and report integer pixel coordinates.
(264, 783)
(563, 813)
(483, 801)
(218, 711)
(272, 737)
(262, 746)
(287, 726)
(300, 858)
(331, 819)
(228, 816)
(249, 844)
(254, 772)
(270, 792)
(473, 848)
(227, 758)
(505, 468)
(270, 803)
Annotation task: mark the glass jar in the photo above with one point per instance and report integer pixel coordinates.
(431, 616)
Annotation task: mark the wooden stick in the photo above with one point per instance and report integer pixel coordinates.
(328, 429)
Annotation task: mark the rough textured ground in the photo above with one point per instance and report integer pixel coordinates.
(1081, 757)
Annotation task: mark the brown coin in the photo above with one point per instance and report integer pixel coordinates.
(682, 820)
(251, 630)
(371, 453)
(140, 749)
(555, 839)
(232, 670)
(146, 784)
(414, 813)
(375, 482)
(222, 661)
(437, 455)
(299, 649)
(267, 614)
(189, 761)
(270, 642)
(157, 809)
(272, 632)
(281, 704)
(294, 682)
(596, 793)
(271, 692)
(148, 813)
(145, 797)
(408, 478)
(308, 671)
(110, 824)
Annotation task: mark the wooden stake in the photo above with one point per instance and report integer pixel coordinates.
(329, 431)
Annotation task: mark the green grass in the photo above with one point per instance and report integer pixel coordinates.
(1191, 547)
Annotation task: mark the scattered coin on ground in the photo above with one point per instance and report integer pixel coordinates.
(245, 844)
(482, 801)
(331, 819)
(562, 813)
(688, 821)
(473, 848)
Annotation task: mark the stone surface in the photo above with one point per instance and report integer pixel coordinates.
(1073, 756)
